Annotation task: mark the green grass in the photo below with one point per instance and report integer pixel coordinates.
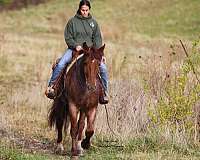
(174, 18)
(165, 18)
(107, 149)
(6, 153)
(157, 18)
(141, 148)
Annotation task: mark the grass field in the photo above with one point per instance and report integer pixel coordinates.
(138, 35)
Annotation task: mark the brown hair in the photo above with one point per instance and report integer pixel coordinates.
(83, 2)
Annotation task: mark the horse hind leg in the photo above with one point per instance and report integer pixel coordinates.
(61, 122)
(58, 117)
(91, 115)
(59, 148)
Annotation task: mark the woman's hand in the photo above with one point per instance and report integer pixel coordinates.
(103, 60)
(78, 48)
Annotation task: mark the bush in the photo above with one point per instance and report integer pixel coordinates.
(180, 93)
(3, 2)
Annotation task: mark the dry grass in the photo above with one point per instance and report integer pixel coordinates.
(26, 75)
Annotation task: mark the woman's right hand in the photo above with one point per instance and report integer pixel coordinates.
(78, 48)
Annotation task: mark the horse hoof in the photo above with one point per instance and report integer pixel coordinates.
(79, 149)
(85, 144)
(59, 152)
(80, 152)
(74, 158)
(59, 149)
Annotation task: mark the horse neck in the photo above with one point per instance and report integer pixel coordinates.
(79, 71)
(75, 76)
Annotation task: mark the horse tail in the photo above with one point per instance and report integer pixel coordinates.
(58, 113)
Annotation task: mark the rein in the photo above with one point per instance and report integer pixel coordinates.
(107, 118)
(74, 61)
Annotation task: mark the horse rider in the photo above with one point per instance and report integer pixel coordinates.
(79, 29)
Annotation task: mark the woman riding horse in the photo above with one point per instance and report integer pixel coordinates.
(79, 29)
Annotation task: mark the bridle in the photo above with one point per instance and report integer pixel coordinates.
(92, 87)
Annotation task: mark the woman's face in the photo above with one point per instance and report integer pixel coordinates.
(85, 10)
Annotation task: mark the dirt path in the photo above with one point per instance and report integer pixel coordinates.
(29, 144)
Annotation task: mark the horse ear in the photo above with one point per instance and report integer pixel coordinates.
(85, 47)
(99, 53)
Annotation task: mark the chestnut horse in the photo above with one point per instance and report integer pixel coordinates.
(79, 100)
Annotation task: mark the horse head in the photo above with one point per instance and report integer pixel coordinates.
(91, 62)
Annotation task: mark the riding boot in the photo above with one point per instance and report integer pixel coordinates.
(104, 99)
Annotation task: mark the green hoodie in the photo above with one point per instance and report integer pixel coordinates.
(81, 29)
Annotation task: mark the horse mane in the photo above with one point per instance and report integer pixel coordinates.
(73, 62)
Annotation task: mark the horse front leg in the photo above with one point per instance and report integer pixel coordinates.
(91, 115)
(73, 112)
(81, 125)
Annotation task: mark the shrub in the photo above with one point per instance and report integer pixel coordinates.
(3, 2)
(180, 93)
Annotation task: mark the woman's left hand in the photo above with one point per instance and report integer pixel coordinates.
(103, 59)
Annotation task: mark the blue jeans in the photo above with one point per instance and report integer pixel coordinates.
(66, 58)
(104, 75)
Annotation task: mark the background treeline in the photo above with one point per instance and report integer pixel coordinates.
(17, 4)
